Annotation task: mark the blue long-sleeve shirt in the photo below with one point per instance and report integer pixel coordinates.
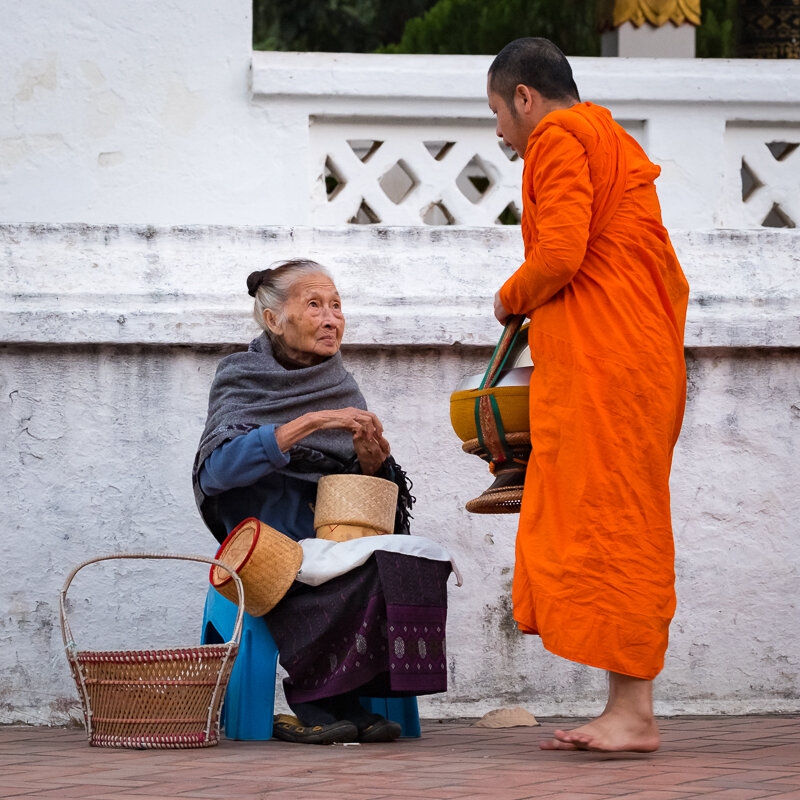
(242, 474)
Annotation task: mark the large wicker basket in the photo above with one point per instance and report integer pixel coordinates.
(152, 698)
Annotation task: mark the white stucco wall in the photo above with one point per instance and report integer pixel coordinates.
(111, 342)
(148, 162)
(135, 112)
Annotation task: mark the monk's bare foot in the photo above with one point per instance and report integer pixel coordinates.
(609, 733)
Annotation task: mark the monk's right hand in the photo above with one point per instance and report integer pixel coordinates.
(500, 312)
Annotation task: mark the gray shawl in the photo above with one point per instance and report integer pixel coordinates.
(251, 389)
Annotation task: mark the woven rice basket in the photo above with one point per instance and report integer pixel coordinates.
(152, 698)
(266, 560)
(351, 506)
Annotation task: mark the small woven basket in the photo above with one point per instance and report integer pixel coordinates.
(351, 506)
(266, 560)
(152, 698)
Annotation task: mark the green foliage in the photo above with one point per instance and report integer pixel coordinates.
(486, 26)
(339, 26)
(455, 26)
(716, 36)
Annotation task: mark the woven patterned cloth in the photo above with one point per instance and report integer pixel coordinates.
(379, 629)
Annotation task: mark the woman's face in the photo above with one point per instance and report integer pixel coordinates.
(313, 323)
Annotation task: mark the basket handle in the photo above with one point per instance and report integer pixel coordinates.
(237, 628)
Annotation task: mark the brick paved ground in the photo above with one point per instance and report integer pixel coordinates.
(719, 758)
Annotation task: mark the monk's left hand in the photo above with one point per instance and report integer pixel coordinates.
(500, 311)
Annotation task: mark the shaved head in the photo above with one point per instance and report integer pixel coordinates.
(536, 63)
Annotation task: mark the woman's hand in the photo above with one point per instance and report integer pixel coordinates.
(371, 447)
(371, 451)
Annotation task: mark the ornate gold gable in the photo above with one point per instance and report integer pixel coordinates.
(614, 13)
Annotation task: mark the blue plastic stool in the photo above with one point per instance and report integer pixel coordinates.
(250, 698)
(398, 709)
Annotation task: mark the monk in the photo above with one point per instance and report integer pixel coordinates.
(606, 296)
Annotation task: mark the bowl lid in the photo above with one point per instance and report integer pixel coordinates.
(516, 376)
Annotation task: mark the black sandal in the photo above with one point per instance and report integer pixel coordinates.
(379, 729)
(289, 729)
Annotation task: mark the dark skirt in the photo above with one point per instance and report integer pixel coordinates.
(378, 630)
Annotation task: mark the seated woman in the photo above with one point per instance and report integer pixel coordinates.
(281, 415)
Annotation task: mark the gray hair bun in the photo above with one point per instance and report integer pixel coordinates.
(257, 279)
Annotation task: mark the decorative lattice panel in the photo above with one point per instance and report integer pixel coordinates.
(369, 173)
(762, 180)
(415, 174)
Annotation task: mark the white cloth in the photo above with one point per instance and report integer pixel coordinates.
(324, 559)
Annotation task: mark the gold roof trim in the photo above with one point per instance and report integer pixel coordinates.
(614, 13)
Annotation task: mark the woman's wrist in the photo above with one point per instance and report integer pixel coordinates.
(369, 469)
(290, 433)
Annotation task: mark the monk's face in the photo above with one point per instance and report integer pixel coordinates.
(516, 122)
(312, 323)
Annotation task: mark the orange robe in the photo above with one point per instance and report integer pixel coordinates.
(607, 299)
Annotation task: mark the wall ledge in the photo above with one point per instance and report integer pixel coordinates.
(118, 284)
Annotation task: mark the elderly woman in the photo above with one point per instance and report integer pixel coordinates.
(281, 415)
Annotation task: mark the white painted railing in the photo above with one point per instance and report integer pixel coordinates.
(409, 140)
